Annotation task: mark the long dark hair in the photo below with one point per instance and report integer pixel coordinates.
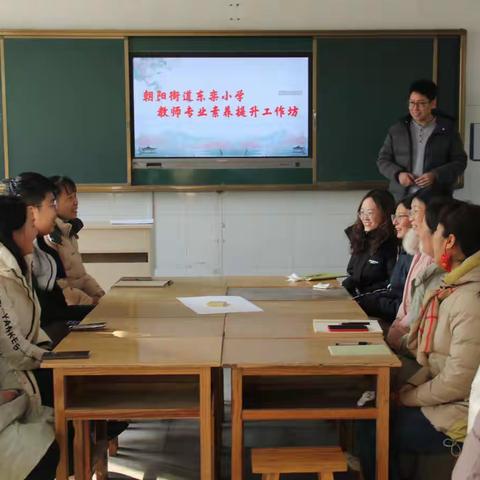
(13, 214)
(359, 240)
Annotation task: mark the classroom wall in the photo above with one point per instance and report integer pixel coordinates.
(252, 232)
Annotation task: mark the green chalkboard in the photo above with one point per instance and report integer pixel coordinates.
(66, 103)
(362, 89)
(448, 75)
(66, 108)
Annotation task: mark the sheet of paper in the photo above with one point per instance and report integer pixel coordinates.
(293, 277)
(350, 350)
(219, 304)
(321, 325)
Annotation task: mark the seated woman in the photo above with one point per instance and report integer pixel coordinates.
(372, 243)
(423, 271)
(26, 430)
(447, 340)
(384, 303)
(79, 288)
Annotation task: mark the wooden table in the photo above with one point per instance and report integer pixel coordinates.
(157, 359)
(264, 358)
(161, 370)
(280, 342)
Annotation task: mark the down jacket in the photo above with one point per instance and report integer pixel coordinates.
(384, 304)
(369, 271)
(442, 386)
(22, 341)
(25, 436)
(444, 154)
(26, 429)
(468, 465)
(79, 288)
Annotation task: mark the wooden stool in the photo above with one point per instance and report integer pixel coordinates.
(324, 461)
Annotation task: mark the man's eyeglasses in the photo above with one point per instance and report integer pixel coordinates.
(420, 103)
(399, 216)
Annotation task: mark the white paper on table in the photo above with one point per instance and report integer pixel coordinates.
(294, 278)
(321, 286)
(233, 304)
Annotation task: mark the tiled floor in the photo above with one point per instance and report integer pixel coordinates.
(169, 450)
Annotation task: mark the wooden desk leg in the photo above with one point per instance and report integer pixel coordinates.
(206, 426)
(81, 448)
(101, 450)
(218, 414)
(237, 424)
(382, 434)
(61, 433)
(218, 392)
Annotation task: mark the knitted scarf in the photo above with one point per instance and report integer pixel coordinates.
(425, 328)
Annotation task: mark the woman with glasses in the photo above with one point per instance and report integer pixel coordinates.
(373, 244)
(384, 304)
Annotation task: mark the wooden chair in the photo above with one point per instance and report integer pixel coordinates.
(324, 461)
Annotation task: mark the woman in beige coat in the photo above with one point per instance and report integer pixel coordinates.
(27, 445)
(79, 288)
(447, 335)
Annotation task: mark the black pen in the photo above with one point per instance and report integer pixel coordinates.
(351, 343)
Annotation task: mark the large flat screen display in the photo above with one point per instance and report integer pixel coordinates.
(221, 107)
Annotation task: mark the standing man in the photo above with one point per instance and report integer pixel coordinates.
(423, 149)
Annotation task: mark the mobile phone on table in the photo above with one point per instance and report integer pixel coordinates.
(67, 355)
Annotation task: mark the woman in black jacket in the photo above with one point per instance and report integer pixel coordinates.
(373, 244)
(384, 303)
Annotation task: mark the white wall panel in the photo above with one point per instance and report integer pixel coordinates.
(187, 233)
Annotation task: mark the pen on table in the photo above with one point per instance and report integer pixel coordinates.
(351, 343)
(355, 323)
